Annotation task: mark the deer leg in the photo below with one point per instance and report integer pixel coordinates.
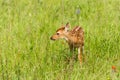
(80, 54)
(71, 48)
(72, 55)
(71, 51)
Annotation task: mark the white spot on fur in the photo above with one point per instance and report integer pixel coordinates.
(77, 29)
(79, 50)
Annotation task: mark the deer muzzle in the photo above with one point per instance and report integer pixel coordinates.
(52, 38)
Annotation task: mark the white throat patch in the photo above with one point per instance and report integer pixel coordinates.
(66, 39)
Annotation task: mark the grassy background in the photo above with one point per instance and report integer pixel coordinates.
(27, 53)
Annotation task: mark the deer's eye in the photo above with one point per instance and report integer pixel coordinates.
(57, 33)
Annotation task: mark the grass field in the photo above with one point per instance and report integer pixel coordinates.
(27, 53)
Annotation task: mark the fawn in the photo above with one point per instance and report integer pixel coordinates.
(74, 38)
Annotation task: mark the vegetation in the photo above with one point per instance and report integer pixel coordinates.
(27, 53)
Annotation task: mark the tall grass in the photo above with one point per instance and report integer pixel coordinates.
(26, 52)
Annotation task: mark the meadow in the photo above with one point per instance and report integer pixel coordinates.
(27, 53)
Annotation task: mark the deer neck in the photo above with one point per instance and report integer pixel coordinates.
(68, 36)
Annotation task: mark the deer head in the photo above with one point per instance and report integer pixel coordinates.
(61, 33)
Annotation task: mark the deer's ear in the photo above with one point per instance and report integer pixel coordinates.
(67, 27)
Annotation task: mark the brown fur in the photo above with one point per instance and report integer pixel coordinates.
(62, 28)
(74, 38)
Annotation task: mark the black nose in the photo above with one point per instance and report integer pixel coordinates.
(52, 38)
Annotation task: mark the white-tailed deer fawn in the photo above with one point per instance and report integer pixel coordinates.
(74, 38)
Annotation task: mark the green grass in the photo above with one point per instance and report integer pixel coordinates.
(27, 53)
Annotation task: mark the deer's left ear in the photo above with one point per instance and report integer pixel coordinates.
(67, 27)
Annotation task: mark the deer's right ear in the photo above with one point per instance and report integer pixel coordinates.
(67, 27)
